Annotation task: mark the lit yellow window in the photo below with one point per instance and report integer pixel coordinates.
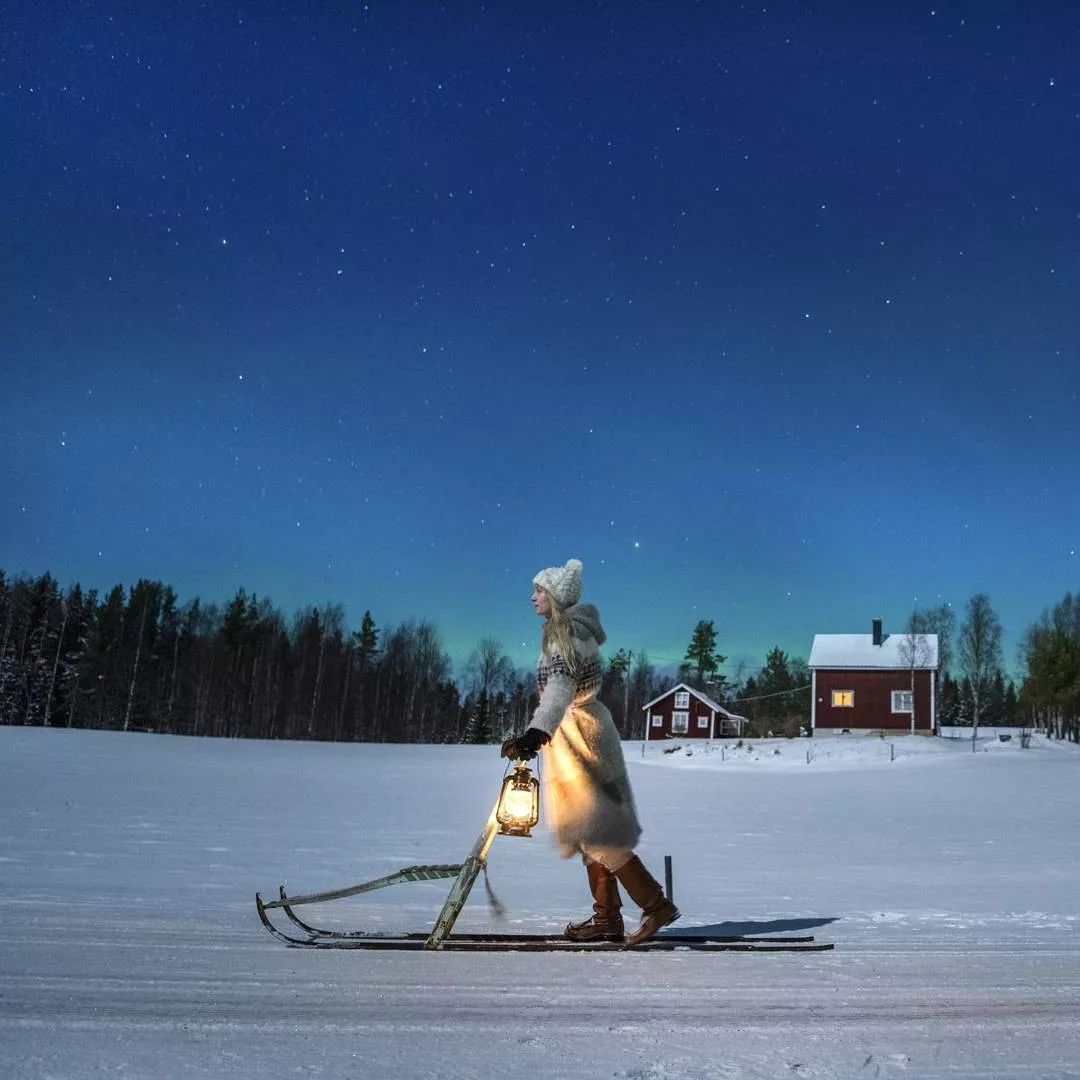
(843, 699)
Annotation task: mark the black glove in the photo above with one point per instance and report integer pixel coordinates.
(524, 747)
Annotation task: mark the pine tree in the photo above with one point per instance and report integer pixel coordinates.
(745, 704)
(1051, 652)
(169, 645)
(965, 712)
(102, 660)
(782, 710)
(1012, 707)
(38, 656)
(367, 642)
(995, 700)
(192, 637)
(479, 730)
(141, 619)
(10, 682)
(619, 664)
(948, 703)
(76, 638)
(363, 657)
(702, 659)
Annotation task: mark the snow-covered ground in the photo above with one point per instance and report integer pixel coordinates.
(949, 880)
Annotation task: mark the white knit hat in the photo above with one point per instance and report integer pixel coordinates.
(562, 583)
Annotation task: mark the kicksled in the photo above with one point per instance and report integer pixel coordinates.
(514, 814)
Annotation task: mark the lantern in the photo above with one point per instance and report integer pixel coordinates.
(519, 802)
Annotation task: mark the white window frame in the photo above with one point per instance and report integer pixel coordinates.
(703, 722)
(841, 705)
(680, 723)
(682, 699)
(656, 720)
(910, 701)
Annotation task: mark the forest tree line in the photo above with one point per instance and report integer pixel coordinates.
(138, 659)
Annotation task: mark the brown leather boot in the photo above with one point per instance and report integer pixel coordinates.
(606, 923)
(657, 910)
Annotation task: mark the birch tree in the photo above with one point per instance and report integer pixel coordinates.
(65, 615)
(914, 651)
(979, 653)
(488, 668)
(940, 620)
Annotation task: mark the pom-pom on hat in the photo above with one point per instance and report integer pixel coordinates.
(562, 583)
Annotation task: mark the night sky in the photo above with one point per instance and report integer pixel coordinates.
(768, 313)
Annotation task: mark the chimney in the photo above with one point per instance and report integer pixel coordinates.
(877, 631)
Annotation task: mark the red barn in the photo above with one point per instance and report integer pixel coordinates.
(685, 713)
(862, 682)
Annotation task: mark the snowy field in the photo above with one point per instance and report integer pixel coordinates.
(949, 881)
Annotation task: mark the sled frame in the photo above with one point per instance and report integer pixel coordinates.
(464, 875)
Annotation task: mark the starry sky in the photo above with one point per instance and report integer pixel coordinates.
(767, 312)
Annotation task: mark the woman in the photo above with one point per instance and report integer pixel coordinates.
(587, 792)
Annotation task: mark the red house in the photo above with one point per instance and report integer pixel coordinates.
(862, 682)
(685, 713)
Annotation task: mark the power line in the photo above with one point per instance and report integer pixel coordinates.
(779, 693)
(674, 660)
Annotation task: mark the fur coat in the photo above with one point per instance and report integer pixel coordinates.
(587, 792)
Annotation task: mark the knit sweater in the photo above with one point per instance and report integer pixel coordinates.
(587, 790)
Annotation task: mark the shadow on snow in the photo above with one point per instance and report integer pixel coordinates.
(749, 928)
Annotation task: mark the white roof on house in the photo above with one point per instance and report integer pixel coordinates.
(704, 698)
(859, 651)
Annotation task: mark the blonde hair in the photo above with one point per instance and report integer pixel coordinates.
(558, 636)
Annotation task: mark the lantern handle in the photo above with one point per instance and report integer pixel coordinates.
(520, 763)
